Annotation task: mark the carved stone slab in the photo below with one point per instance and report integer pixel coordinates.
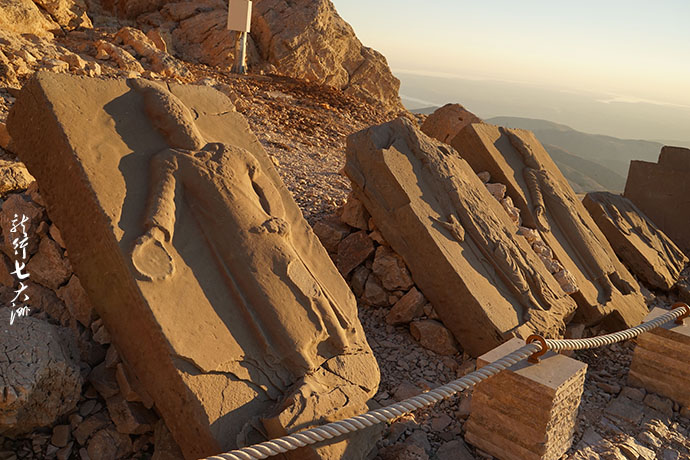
(662, 191)
(462, 249)
(548, 204)
(211, 284)
(642, 247)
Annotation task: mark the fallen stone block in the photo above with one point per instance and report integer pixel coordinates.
(661, 361)
(461, 248)
(217, 295)
(528, 411)
(643, 248)
(662, 191)
(446, 122)
(605, 288)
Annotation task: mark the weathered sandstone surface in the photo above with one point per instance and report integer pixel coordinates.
(642, 247)
(462, 249)
(662, 192)
(605, 288)
(243, 321)
(446, 122)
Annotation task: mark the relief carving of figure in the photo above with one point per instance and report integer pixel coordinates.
(547, 194)
(242, 220)
(499, 248)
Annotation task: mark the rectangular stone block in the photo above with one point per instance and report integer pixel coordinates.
(662, 191)
(661, 361)
(213, 287)
(529, 410)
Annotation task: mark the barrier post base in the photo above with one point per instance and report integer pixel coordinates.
(528, 411)
(661, 361)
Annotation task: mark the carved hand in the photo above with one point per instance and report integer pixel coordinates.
(150, 256)
(540, 217)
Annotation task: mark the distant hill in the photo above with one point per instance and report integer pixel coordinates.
(610, 152)
(590, 162)
(584, 175)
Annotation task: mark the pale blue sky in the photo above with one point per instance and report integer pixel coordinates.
(628, 49)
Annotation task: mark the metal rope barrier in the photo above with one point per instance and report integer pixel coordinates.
(389, 413)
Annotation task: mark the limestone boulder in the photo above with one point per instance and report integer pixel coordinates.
(132, 8)
(642, 247)
(181, 206)
(662, 192)
(109, 444)
(391, 270)
(354, 250)
(458, 243)
(434, 336)
(69, 14)
(39, 374)
(304, 39)
(446, 122)
(121, 57)
(48, 267)
(13, 177)
(409, 307)
(160, 61)
(607, 291)
(331, 232)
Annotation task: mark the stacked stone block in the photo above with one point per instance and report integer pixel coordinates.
(661, 363)
(528, 411)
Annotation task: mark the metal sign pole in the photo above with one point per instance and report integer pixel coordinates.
(240, 66)
(239, 20)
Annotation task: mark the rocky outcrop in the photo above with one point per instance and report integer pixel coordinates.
(304, 39)
(446, 122)
(643, 248)
(547, 204)
(462, 249)
(277, 345)
(307, 39)
(69, 14)
(39, 373)
(662, 191)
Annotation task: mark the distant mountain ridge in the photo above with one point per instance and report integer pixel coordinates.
(602, 159)
(590, 162)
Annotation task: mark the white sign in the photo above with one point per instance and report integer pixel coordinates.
(240, 15)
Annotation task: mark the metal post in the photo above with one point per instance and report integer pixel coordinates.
(240, 66)
(239, 21)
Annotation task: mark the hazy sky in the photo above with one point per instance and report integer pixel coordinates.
(633, 50)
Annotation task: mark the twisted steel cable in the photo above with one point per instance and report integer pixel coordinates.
(390, 413)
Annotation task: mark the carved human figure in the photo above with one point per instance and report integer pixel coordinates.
(242, 219)
(546, 193)
(628, 220)
(463, 221)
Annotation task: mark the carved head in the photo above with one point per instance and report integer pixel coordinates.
(169, 115)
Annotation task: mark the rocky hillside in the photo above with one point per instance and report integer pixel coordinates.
(307, 40)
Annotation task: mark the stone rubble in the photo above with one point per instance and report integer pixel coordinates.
(75, 407)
